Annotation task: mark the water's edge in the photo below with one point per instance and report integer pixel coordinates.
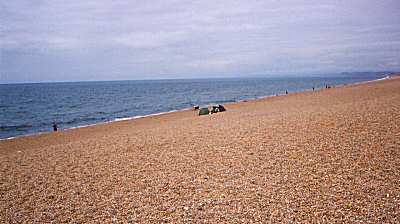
(184, 109)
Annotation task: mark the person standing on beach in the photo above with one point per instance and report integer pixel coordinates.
(55, 126)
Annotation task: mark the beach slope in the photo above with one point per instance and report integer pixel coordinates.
(332, 155)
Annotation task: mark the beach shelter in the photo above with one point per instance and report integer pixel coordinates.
(221, 108)
(218, 108)
(203, 111)
(214, 109)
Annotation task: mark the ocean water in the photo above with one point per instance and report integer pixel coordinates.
(32, 108)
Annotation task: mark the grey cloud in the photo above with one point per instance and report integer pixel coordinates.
(153, 39)
(88, 40)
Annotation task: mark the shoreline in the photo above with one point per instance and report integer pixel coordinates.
(188, 109)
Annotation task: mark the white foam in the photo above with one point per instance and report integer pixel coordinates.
(386, 77)
(83, 126)
(105, 122)
(124, 119)
(8, 138)
(374, 80)
(26, 135)
(142, 116)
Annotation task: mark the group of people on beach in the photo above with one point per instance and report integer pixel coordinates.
(313, 88)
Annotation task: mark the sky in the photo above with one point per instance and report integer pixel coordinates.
(58, 40)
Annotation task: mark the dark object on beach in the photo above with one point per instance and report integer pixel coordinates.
(214, 109)
(218, 108)
(313, 88)
(196, 107)
(204, 111)
(287, 92)
(55, 126)
(221, 108)
(326, 86)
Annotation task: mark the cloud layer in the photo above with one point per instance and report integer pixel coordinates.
(104, 40)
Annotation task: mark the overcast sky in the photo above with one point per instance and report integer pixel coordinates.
(65, 40)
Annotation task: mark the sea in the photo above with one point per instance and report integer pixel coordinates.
(32, 108)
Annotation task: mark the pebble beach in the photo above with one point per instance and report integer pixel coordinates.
(324, 156)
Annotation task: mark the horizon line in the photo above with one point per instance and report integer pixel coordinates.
(202, 78)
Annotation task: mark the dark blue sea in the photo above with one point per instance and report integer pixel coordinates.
(32, 108)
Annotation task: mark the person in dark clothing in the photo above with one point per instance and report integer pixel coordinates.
(55, 126)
